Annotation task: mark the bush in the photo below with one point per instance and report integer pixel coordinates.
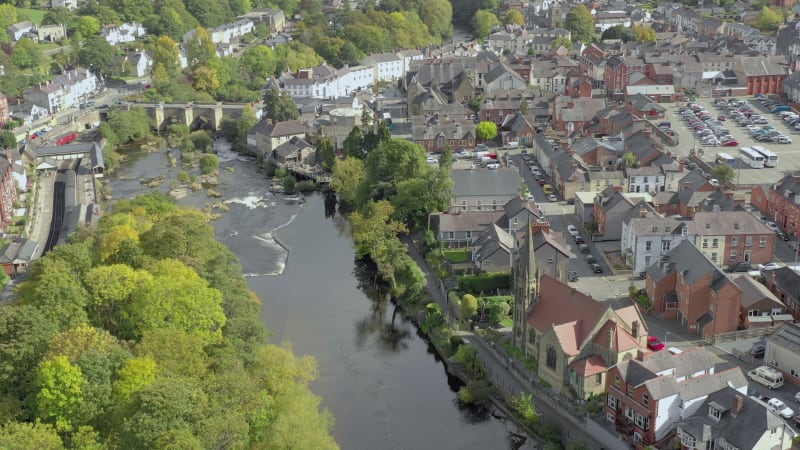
(306, 186)
(269, 168)
(484, 283)
(289, 184)
(469, 306)
(178, 129)
(208, 163)
(475, 393)
(202, 141)
(183, 176)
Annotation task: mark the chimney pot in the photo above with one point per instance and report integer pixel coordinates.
(738, 404)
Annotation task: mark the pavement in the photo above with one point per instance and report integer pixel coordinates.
(42, 210)
(512, 378)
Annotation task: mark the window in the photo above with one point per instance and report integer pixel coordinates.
(645, 399)
(684, 231)
(639, 420)
(714, 257)
(705, 243)
(714, 243)
(628, 412)
(551, 358)
(463, 205)
(734, 242)
(617, 381)
(665, 246)
(451, 235)
(748, 241)
(630, 391)
(795, 373)
(762, 242)
(532, 337)
(598, 379)
(516, 221)
(469, 234)
(637, 437)
(714, 413)
(494, 205)
(648, 245)
(733, 255)
(478, 205)
(687, 440)
(613, 402)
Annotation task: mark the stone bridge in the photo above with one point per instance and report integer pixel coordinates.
(195, 115)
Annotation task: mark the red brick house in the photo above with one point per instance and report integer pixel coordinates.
(761, 75)
(686, 286)
(578, 86)
(592, 63)
(496, 110)
(435, 134)
(785, 284)
(784, 203)
(575, 114)
(618, 72)
(759, 197)
(645, 397)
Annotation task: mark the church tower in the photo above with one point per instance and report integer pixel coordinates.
(526, 287)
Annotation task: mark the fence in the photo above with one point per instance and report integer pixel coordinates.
(737, 335)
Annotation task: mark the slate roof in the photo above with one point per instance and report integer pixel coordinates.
(786, 280)
(479, 183)
(742, 430)
(291, 146)
(691, 262)
(729, 223)
(279, 129)
(467, 220)
(658, 226)
(491, 240)
(754, 292)
(760, 66)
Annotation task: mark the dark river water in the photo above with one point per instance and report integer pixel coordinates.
(379, 378)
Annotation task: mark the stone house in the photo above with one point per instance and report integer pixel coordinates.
(684, 285)
(270, 136)
(783, 203)
(483, 190)
(52, 32)
(295, 150)
(493, 249)
(461, 229)
(435, 134)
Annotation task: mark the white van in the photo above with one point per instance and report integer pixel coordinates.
(767, 376)
(512, 145)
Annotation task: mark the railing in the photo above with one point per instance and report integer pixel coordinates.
(744, 334)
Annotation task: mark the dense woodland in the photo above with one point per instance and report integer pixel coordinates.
(143, 334)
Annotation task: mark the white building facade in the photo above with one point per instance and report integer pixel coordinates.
(645, 240)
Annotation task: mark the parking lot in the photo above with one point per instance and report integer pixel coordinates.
(789, 155)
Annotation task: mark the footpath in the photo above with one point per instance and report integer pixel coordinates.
(512, 378)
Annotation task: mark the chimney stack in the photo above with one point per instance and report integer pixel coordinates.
(635, 328)
(686, 185)
(642, 212)
(738, 404)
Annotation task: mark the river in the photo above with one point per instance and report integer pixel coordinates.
(379, 378)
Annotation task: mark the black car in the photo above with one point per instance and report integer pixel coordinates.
(579, 240)
(590, 259)
(782, 236)
(758, 349)
(741, 266)
(573, 276)
(596, 268)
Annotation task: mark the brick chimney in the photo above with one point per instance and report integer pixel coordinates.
(681, 166)
(540, 225)
(635, 328)
(618, 188)
(738, 404)
(646, 132)
(686, 185)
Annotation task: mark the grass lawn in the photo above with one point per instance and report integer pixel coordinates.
(456, 256)
(34, 15)
(507, 322)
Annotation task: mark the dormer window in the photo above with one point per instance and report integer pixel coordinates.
(714, 413)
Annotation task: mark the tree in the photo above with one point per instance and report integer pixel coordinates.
(245, 123)
(562, 40)
(724, 174)
(486, 131)
(437, 15)
(629, 159)
(97, 54)
(131, 125)
(279, 106)
(485, 21)
(769, 19)
(580, 23)
(618, 32)
(133, 376)
(644, 33)
(87, 26)
(325, 154)
(257, 64)
(353, 144)
(348, 174)
(200, 48)
(60, 396)
(166, 55)
(27, 55)
(469, 306)
(526, 409)
(513, 17)
(36, 435)
(8, 17)
(7, 139)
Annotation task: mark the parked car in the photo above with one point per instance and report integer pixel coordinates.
(584, 248)
(654, 344)
(572, 230)
(579, 239)
(758, 349)
(782, 140)
(552, 198)
(741, 266)
(772, 226)
(590, 259)
(782, 236)
(596, 268)
(542, 182)
(732, 143)
(780, 408)
(770, 266)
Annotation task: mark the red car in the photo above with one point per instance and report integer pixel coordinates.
(654, 344)
(730, 143)
(542, 182)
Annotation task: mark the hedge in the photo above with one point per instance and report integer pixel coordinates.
(488, 282)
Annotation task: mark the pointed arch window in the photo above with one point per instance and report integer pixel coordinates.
(551, 358)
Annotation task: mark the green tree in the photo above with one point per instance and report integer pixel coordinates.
(353, 144)
(325, 154)
(486, 131)
(245, 123)
(8, 17)
(27, 55)
(97, 54)
(133, 376)
(208, 163)
(580, 23)
(724, 174)
(526, 409)
(60, 392)
(513, 17)
(166, 56)
(769, 19)
(437, 15)
(485, 21)
(348, 175)
(200, 48)
(40, 436)
(52, 287)
(562, 40)
(131, 125)
(280, 106)
(629, 159)
(110, 288)
(644, 33)
(618, 32)
(469, 306)
(7, 139)
(25, 331)
(374, 227)
(87, 26)
(257, 64)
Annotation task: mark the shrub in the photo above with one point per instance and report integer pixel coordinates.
(469, 306)
(202, 141)
(289, 184)
(269, 168)
(183, 176)
(485, 282)
(475, 393)
(306, 186)
(208, 163)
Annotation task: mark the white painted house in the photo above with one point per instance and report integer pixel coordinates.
(644, 240)
(64, 91)
(126, 32)
(386, 66)
(20, 29)
(69, 4)
(645, 179)
(324, 81)
(226, 33)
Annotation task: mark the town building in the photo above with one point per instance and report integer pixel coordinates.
(18, 30)
(269, 136)
(761, 75)
(728, 237)
(647, 397)
(67, 90)
(612, 208)
(684, 285)
(69, 4)
(760, 307)
(435, 133)
(483, 190)
(784, 282)
(274, 18)
(783, 352)
(125, 32)
(645, 240)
